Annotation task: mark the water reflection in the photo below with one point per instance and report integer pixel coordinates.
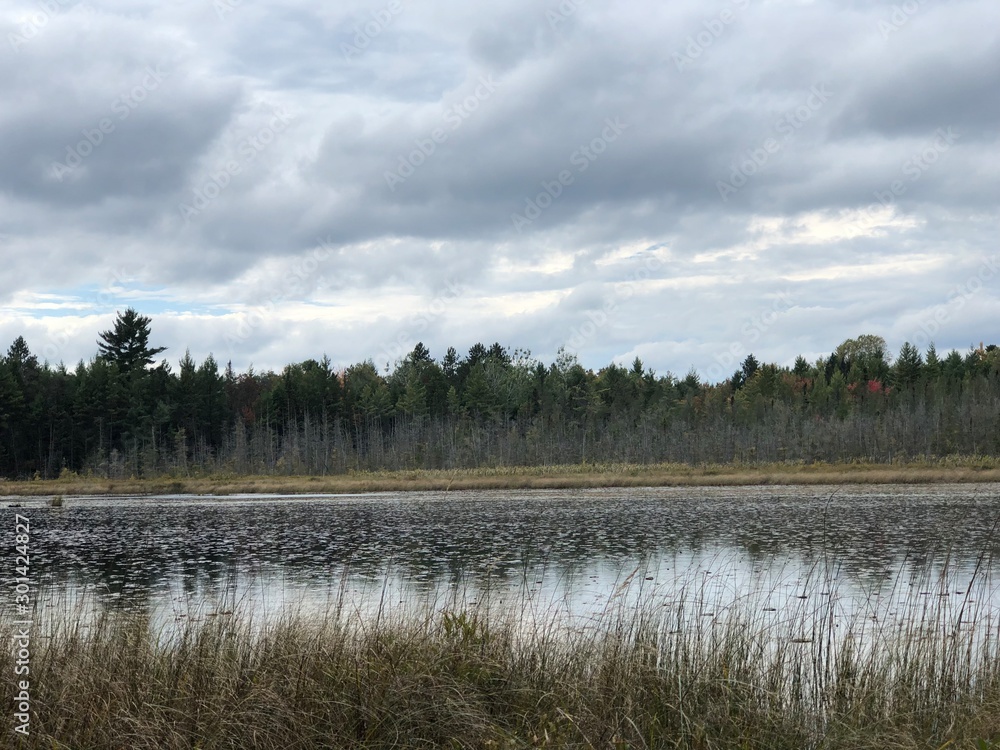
(852, 553)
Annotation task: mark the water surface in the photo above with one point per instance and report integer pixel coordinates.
(869, 552)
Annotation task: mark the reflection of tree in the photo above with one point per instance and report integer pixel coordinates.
(127, 549)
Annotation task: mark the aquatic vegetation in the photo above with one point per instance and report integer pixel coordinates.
(640, 674)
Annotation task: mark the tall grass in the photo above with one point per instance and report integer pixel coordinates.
(965, 469)
(640, 675)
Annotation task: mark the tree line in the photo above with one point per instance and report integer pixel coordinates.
(123, 414)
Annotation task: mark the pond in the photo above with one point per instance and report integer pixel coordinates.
(860, 554)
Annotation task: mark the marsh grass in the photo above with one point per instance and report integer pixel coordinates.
(915, 471)
(453, 675)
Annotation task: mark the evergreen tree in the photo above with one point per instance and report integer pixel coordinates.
(103, 418)
(908, 365)
(24, 404)
(413, 401)
(499, 354)
(420, 354)
(478, 398)
(127, 344)
(932, 365)
(454, 403)
(22, 362)
(449, 366)
(953, 366)
(11, 398)
(750, 366)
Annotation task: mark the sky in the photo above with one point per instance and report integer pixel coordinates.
(684, 182)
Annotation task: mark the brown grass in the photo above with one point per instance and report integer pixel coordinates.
(952, 469)
(638, 678)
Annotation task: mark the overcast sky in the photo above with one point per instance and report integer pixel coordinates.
(685, 181)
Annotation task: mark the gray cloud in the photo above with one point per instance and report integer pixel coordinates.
(822, 118)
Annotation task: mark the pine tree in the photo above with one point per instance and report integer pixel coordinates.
(449, 365)
(20, 358)
(127, 344)
(932, 366)
(413, 401)
(454, 402)
(420, 354)
(908, 365)
(11, 398)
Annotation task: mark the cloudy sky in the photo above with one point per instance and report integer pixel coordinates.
(272, 180)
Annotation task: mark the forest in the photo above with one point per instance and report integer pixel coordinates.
(123, 414)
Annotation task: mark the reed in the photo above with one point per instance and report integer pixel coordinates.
(638, 675)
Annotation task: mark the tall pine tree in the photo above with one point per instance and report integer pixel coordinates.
(127, 344)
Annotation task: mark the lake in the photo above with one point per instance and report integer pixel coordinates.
(866, 555)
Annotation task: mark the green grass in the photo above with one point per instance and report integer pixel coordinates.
(640, 676)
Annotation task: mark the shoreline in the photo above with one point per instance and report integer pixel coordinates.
(974, 470)
(466, 676)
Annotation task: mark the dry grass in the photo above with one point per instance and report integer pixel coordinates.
(638, 678)
(952, 469)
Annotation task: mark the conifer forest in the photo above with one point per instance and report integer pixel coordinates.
(130, 412)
